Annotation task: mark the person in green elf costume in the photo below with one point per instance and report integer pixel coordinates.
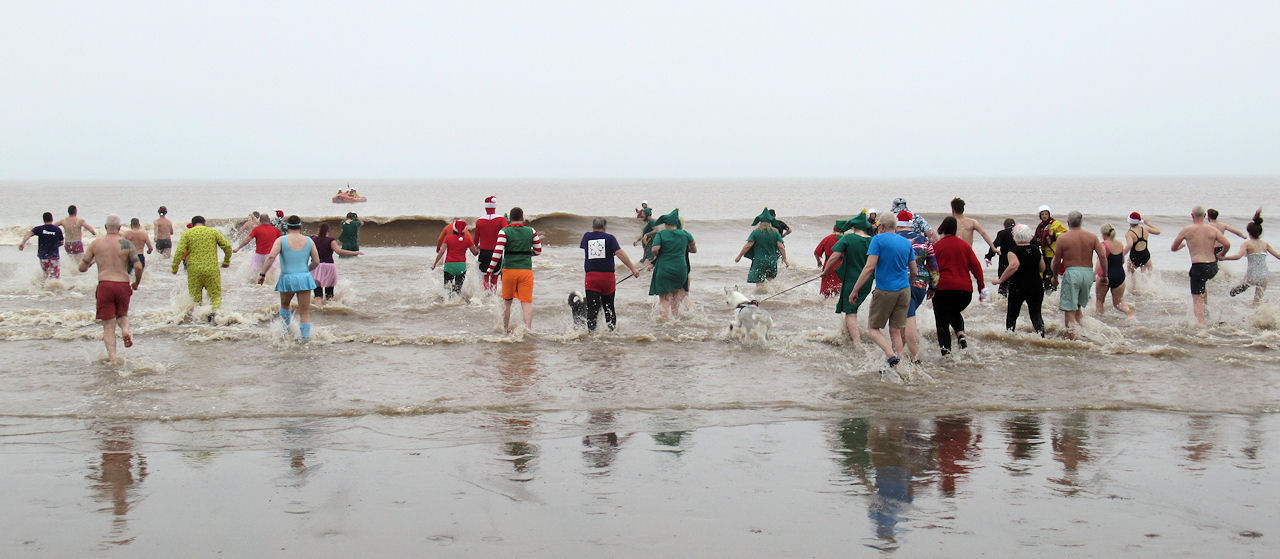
(848, 257)
(645, 215)
(671, 248)
(764, 247)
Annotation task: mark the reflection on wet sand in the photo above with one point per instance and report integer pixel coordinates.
(956, 446)
(116, 476)
(600, 449)
(1070, 448)
(517, 370)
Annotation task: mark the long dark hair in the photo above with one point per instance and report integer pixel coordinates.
(324, 230)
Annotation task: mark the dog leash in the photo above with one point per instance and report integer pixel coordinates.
(790, 288)
(629, 276)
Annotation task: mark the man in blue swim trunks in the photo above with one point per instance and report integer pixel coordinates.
(1075, 252)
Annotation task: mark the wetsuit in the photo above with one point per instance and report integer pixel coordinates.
(1025, 286)
(200, 246)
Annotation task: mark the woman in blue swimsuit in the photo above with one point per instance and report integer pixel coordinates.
(298, 256)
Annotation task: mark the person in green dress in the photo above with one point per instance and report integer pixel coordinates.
(764, 247)
(848, 256)
(671, 248)
(350, 237)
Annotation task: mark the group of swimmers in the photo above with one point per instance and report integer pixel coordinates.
(925, 264)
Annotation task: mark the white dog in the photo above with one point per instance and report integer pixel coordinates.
(749, 320)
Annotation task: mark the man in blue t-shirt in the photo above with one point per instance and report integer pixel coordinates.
(49, 239)
(600, 248)
(892, 258)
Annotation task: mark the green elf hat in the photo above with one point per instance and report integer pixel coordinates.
(764, 216)
(842, 225)
(860, 222)
(672, 218)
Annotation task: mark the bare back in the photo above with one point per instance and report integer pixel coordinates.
(1077, 248)
(965, 227)
(114, 256)
(1201, 239)
(71, 226)
(138, 238)
(164, 228)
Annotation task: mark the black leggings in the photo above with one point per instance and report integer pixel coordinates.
(594, 302)
(454, 282)
(947, 306)
(326, 292)
(1033, 298)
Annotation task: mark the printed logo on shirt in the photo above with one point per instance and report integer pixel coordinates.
(595, 249)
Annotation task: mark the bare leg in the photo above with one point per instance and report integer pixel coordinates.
(1099, 293)
(1258, 291)
(109, 338)
(678, 297)
(664, 305)
(527, 310)
(895, 337)
(1117, 300)
(912, 335)
(880, 340)
(1198, 303)
(124, 329)
(851, 324)
(1069, 321)
(506, 315)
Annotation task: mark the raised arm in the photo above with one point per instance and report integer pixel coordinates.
(337, 248)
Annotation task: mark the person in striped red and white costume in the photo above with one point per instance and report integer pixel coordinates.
(514, 250)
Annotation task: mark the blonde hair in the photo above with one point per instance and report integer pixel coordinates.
(1108, 231)
(765, 226)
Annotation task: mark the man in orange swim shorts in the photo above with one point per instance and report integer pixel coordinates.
(517, 245)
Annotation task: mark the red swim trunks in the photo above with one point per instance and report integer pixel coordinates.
(113, 299)
(603, 282)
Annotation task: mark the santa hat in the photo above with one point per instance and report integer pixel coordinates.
(904, 218)
(280, 214)
(490, 204)
(1135, 218)
(459, 226)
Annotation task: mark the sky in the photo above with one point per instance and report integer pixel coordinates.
(652, 89)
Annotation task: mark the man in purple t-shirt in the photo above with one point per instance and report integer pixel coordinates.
(600, 248)
(49, 237)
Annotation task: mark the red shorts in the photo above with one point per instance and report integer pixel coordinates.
(113, 299)
(602, 282)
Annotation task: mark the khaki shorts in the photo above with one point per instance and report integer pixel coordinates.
(889, 307)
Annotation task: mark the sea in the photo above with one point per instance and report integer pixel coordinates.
(413, 423)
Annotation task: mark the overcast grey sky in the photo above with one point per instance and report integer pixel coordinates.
(539, 89)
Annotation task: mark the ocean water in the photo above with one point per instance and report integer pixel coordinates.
(394, 358)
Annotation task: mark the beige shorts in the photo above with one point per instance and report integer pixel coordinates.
(889, 307)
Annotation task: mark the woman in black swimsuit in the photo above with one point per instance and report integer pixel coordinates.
(1136, 239)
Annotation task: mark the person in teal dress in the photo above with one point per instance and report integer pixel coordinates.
(671, 248)
(764, 246)
(848, 257)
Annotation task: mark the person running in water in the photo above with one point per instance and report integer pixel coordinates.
(764, 246)
(115, 257)
(453, 251)
(71, 232)
(965, 226)
(350, 236)
(1004, 243)
(599, 249)
(1136, 241)
(49, 238)
(487, 228)
(1113, 267)
(671, 248)
(1221, 250)
(647, 233)
(1022, 276)
(1075, 253)
(891, 260)
(263, 238)
(848, 257)
(199, 249)
(1255, 250)
(164, 233)
(326, 274)
(514, 250)
(139, 239)
(298, 257)
(1202, 241)
(830, 285)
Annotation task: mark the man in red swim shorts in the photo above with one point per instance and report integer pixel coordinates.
(115, 257)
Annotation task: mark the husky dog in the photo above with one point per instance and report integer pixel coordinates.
(749, 320)
(578, 307)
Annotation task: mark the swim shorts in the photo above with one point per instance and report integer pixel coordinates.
(164, 244)
(75, 247)
(1201, 273)
(917, 296)
(483, 259)
(113, 299)
(889, 307)
(517, 284)
(51, 267)
(1074, 288)
(142, 258)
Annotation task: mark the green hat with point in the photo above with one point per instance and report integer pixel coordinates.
(764, 216)
(859, 222)
(672, 218)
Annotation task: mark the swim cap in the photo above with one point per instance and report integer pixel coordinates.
(1135, 218)
(904, 218)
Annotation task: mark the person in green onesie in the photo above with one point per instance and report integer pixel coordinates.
(671, 248)
(848, 257)
(763, 247)
(350, 237)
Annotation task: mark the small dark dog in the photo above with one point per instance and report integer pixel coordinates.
(578, 307)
